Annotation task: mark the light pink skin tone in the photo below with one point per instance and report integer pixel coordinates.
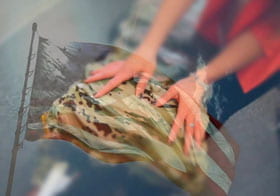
(135, 66)
(188, 92)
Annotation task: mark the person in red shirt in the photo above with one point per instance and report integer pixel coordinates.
(247, 34)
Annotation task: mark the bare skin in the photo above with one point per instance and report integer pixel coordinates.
(188, 91)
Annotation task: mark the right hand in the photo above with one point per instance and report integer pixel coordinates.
(191, 112)
(140, 64)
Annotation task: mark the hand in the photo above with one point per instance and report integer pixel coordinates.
(140, 64)
(191, 114)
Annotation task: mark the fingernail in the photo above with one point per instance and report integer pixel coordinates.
(138, 92)
(169, 141)
(186, 152)
(96, 95)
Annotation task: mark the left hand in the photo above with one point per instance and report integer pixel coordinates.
(141, 63)
(191, 114)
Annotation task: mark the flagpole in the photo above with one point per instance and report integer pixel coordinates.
(22, 110)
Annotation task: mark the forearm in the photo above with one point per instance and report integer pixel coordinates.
(238, 54)
(168, 15)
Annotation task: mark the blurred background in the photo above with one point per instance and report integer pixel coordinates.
(59, 168)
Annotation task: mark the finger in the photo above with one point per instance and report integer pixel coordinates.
(95, 71)
(188, 138)
(177, 124)
(170, 94)
(99, 76)
(189, 132)
(107, 71)
(199, 133)
(142, 83)
(190, 126)
(113, 83)
(114, 66)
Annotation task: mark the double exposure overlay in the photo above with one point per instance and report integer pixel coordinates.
(141, 97)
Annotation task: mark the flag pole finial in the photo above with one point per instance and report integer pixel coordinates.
(34, 27)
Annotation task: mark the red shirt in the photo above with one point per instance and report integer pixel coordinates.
(251, 18)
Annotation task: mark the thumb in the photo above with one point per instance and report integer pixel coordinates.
(170, 94)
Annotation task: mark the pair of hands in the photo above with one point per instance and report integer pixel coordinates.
(188, 92)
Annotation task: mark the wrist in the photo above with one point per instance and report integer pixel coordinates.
(207, 75)
(201, 75)
(149, 47)
(146, 52)
(199, 81)
(202, 79)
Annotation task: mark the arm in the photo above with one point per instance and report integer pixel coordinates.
(190, 91)
(239, 53)
(168, 15)
(142, 62)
